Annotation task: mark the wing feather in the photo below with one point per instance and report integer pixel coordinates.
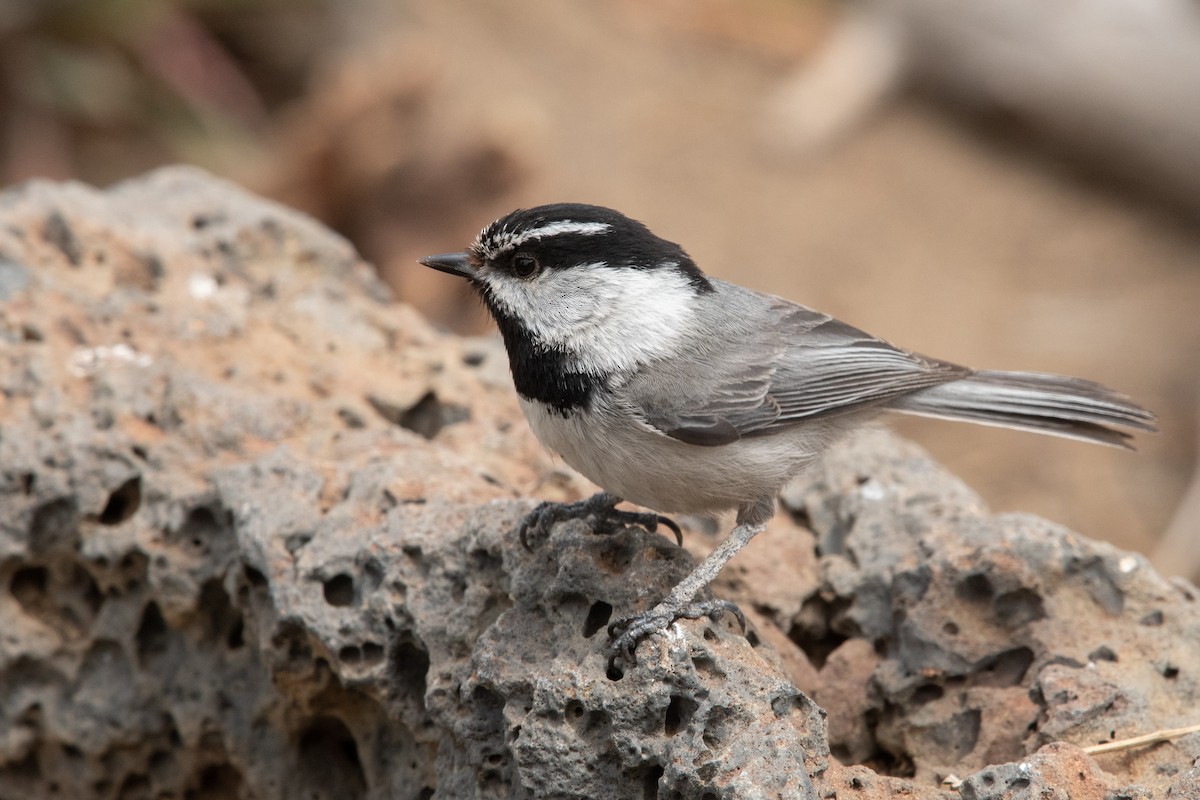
(767, 364)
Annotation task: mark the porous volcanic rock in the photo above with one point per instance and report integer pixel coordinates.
(256, 541)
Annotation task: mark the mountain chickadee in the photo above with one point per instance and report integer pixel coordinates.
(684, 393)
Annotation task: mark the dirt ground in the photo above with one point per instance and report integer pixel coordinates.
(938, 234)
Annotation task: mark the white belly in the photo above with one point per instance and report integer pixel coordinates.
(634, 462)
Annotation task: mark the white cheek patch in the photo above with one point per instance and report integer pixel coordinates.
(609, 318)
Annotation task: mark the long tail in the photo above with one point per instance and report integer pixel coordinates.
(1053, 404)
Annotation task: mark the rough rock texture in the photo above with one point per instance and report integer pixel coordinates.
(256, 541)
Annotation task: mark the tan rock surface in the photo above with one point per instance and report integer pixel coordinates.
(256, 541)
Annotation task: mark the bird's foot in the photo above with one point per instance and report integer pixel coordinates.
(626, 633)
(536, 525)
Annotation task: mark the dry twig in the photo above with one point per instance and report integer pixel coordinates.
(1139, 741)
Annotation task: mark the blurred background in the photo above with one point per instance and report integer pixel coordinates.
(1009, 184)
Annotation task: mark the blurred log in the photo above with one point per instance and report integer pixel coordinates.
(1113, 82)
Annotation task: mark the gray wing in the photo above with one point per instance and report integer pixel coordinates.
(766, 364)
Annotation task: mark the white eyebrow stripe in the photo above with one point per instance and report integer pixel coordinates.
(505, 240)
(564, 226)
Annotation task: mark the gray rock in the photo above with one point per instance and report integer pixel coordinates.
(256, 541)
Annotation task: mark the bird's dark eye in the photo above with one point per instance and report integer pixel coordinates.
(524, 265)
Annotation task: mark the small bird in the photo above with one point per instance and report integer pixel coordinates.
(683, 393)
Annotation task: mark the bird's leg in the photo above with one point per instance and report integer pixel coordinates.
(601, 507)
(681, 602)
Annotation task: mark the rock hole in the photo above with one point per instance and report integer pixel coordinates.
(897, 765)
(27, 770)
(784, 704)
(254, 577)
(1003, 669)
(201, 527)
(151, 272)
(218, 613)
(1099, 584)
(975, 588)
(950, 629)
(1103, 653)
(1019, 607)
(137, 785)
(291, 640)
(411, 666)
(910, 586)
(217, 782)
(58, 232)
(294, 542)
(123, 502)
(474, 358)
(679, 713)
(425, 418)
(650, 782)
(614, 673)
(351, 418)
(426, 793)
(813, 633)
(488, 711)
(339, 590)
(373, 572)
(1169, 671)
(716, 727)
(1152, 620)
(161, 764)
(27, 482)
(574, 710)
(236, 638)
(328, 759)
(89, 592)
(1066, 661)
(28, 586)
(927, 693)
(202, 221)
(597, 617)
(615, 556)
(66, 598)
(54, 526)
(372, 652)
(151, 636)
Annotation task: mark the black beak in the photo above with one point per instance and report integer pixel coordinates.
(454, 263)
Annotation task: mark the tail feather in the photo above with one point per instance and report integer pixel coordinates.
(1052, 404)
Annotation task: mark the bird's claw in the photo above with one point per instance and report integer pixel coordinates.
(607, 519)
(539, 521)
(648, 521)
(626, 633)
